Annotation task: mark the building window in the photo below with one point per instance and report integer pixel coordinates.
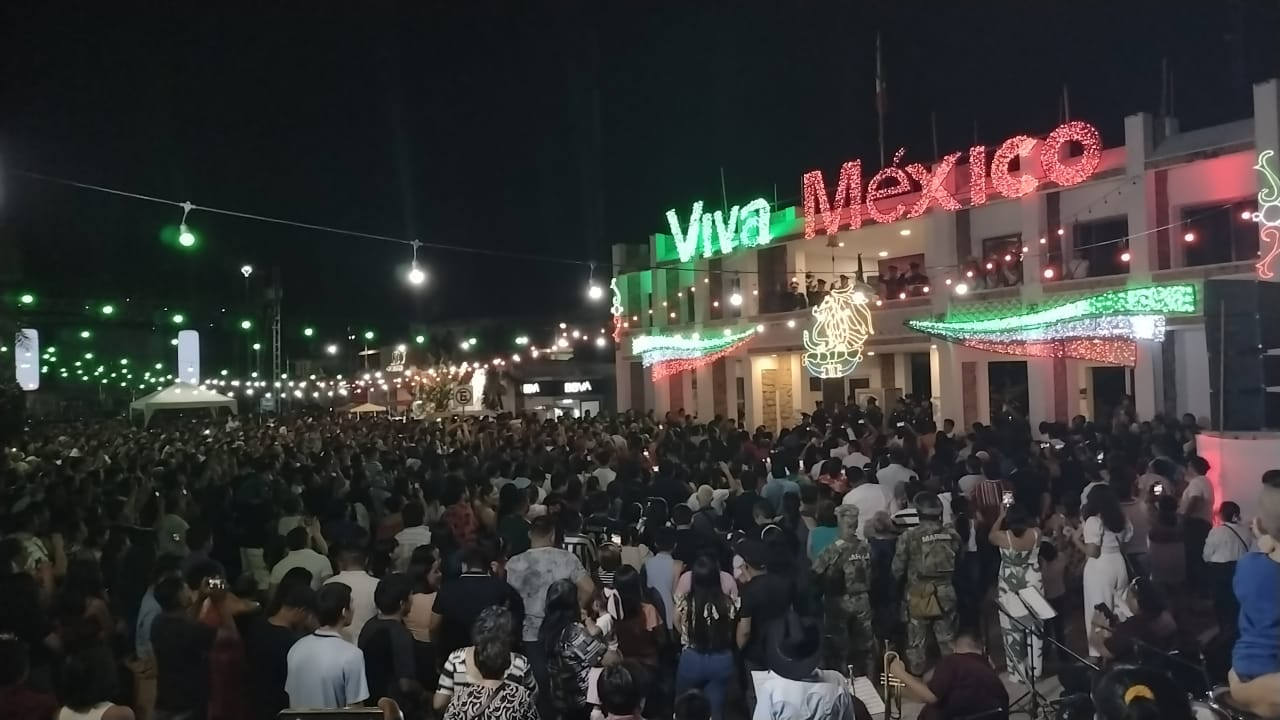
(1098, 249)
(1219, 234)
(1000, 264)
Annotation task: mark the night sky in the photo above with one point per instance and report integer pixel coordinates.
(552, 129)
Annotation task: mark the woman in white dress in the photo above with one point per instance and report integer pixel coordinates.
(1102, 539)
(1019, 546)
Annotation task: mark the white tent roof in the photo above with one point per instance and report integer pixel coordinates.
(181, 396)
(367, 408)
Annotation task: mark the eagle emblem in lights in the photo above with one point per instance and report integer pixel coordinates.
(841, 326)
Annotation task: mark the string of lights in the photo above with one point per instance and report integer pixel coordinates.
(595, 292)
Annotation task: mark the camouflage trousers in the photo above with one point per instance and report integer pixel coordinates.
(943, 630)
(848, 637)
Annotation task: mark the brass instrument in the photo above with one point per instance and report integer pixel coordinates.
(890, 687)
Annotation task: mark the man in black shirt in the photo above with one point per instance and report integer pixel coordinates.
(389, 662)
(461, 600)
(766, 597)
(266, 644)
(181, 646)
(742, 507)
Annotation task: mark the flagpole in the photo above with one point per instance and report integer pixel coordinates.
(880, 97)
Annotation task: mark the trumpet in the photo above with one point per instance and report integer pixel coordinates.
(890, 687)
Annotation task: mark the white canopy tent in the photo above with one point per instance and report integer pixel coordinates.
(367, 408)
(181, 396)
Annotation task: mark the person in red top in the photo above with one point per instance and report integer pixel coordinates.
(18, 700)
(458, 514)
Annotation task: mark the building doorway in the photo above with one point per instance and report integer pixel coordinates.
(921, 375)
(1110, 385)
(1008, 383)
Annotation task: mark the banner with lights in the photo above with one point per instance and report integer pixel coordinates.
(667, 355)
(852, 199)
(841, 326)
(1102, 328)
(1268, 214)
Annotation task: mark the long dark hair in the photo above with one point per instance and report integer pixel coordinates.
(1103, 503)
(708, 615)
(627, 582)
(561, 612)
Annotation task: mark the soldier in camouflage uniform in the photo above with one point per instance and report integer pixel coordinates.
(926, 557)
(845, 570)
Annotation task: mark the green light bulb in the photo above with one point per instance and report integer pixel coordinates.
(85, 334)
(108, 309)
(308, 332)
(27, 299)
(179, 318)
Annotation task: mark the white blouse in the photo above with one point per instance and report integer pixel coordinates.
(1110, 542)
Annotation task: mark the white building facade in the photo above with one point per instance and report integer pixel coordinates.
(1155, 208)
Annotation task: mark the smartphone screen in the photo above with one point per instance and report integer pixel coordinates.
(1007, 498)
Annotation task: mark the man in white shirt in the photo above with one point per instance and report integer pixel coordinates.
(869, 498)
(604, 473)
(325, 672)
(1198, 498)
(353, 574)
(301, 555)
(414, 535)
(973, 476)
(855, 458)
(891, 475)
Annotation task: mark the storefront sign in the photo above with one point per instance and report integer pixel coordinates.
(551, 388)
(932, 186)
(714, 233)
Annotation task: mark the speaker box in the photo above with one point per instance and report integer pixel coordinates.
(1242, 335)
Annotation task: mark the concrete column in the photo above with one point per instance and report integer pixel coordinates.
(1148, 380)
(704, 404)
(688, 277)
(660, 318)
(622, 381)
(1034, 227)
(948, 387)
(732, 371)
(660, 393)
(690, 401)
(1040, 391)
(940, 257)
(902, 372)
(1139, 141)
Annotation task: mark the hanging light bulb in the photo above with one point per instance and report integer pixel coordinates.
(735, 299)
(600, 341)
(962, 288)
(594, 291)
(416, 274)
(1125, 256)
(1048, 273)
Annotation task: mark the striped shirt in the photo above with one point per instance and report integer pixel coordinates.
(458, 672)
(584, 549)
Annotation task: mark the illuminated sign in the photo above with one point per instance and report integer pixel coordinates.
(931, 186)
(716, 233)
(841, 326)
(26, 359)
(1268, 215)
(555, 387)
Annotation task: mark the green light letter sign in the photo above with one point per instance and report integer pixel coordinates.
(745, 227)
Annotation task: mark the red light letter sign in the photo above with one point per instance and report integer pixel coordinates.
(848, 196)
(1019, 146)
(1051, 153)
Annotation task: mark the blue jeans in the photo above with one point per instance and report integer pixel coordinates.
(708, 672)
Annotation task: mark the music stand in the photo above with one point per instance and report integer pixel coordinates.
(1039, 610)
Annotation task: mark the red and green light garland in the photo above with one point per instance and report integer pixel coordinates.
(1102, 328)
(667, 355)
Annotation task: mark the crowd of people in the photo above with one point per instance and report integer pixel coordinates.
(623, 567)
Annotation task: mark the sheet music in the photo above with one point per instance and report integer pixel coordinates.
(865, 690)
(1037, 603)
(861, 687)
